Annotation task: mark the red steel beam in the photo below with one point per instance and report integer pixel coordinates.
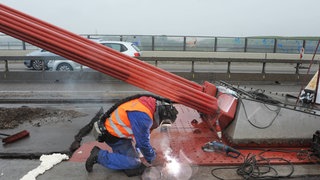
(105, 60)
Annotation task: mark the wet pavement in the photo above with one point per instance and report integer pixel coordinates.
(53, 137)
(20, 157)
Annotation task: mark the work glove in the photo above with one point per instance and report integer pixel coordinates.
(149, 162)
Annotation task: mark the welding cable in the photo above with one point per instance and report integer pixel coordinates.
(302, 154)
(259, 95)
(259, 171)
(266, 100)
(220, 168)
(83, 132)
(238, 90)
(252, 168)
(256, 126)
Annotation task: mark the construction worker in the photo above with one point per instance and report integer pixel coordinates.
(126, 128)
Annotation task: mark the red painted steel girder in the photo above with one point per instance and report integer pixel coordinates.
(105, 60)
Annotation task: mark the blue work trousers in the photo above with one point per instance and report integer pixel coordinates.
(124, 156)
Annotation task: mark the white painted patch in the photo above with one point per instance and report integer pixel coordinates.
(47, 162)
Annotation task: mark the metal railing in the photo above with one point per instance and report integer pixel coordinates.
(192, 61)
(193, 43)
(229, 61)
(191, 70)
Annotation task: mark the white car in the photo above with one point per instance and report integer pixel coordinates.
(126, 48)
(37, 64)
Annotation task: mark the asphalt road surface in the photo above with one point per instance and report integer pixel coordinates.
(52, 135)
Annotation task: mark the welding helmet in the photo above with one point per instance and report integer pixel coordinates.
(165, 113)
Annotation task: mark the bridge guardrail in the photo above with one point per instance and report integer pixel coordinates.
(229, 61)
(232, 60)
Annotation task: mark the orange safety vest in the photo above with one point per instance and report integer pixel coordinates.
(118, 124)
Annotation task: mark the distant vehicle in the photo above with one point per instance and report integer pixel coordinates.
(126, 48)
(37, 64)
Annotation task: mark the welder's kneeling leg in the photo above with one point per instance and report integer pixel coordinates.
(92, 159)
(135, 172)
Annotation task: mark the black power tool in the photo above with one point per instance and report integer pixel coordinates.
(215, 146)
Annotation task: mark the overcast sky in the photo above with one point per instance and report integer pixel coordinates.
(178, 17)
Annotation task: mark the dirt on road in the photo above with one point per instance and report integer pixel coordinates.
(12, 117)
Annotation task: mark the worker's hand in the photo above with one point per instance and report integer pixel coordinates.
(158, 161)
(146, 163)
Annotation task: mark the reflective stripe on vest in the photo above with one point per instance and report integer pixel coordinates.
(118, 124)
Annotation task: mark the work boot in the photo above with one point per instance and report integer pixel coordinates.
(135, 172)
(93, 158)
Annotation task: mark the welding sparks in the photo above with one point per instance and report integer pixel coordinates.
(172, 166)
(176, 165)
(177, 168)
